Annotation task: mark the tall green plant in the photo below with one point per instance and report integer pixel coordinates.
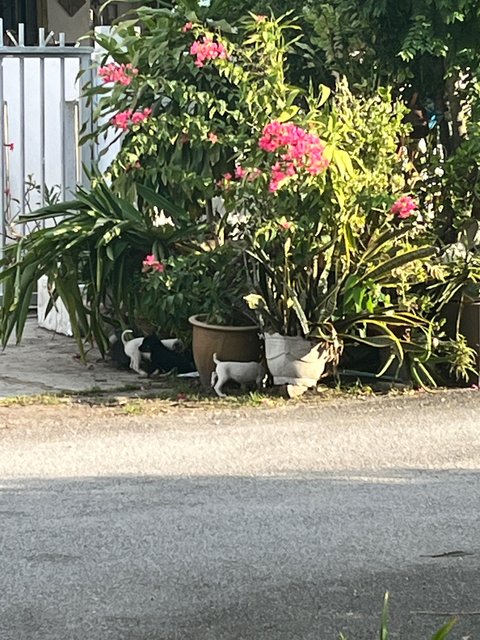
(90, 249)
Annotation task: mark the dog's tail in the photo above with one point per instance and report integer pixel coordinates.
(215, 359)
(124, 334)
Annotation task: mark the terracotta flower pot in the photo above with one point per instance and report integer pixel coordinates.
(292, 360)
(240, 344)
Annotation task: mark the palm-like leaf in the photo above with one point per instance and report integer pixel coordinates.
(91, 249)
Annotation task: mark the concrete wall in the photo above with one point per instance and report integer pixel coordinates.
(78, 25)
(74, 27)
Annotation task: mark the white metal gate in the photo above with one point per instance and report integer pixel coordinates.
(41, 113)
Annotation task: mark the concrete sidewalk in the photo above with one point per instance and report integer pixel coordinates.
(47, 362)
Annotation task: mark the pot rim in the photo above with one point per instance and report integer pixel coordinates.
(279, 336)
(196, 322)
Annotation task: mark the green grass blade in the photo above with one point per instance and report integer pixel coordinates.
(444, 631)
(384, 619)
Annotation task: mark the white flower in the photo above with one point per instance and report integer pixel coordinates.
(161, 220)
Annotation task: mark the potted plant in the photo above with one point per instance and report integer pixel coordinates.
(201, 290)
(329, 239)
(310, 299)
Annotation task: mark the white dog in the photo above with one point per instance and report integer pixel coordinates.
(242, 372)
(132, 350)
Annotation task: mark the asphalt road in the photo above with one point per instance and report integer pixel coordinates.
(277, 524)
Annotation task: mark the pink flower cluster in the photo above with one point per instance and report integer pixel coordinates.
(404, 207)
(121, 73)
(240, 173)
(124, 119)
(207, 49)
(301, 150)
(152, 264)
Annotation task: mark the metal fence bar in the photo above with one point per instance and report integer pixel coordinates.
(63, 99)
(85, 121)
(41, 42)
(3, 203)
(3, 212)
(21, 40)
(50, 51)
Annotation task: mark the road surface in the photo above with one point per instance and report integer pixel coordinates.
(283, 523)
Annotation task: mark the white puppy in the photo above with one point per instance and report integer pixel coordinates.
(242, 372)
(132, 350)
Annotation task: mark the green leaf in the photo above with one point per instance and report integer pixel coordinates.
(444, 631)
(325, 93)
(288, 114)
(343, 162)
(397, 261)
(384, 619)
(157, 200)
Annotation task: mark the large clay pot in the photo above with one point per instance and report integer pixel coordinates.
(238, 344)
(292, 360)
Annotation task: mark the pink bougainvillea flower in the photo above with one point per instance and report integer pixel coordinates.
(290, 169)
(227, 177)
(286, 224)
(254, 174)
(240, 172)
(188, 26)
(299, 150)
(278, 175)
(207, 49)
(213, 137)
(152, 264)
(124, 119)
(140, 116)
(121, 73)
(404, 207)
